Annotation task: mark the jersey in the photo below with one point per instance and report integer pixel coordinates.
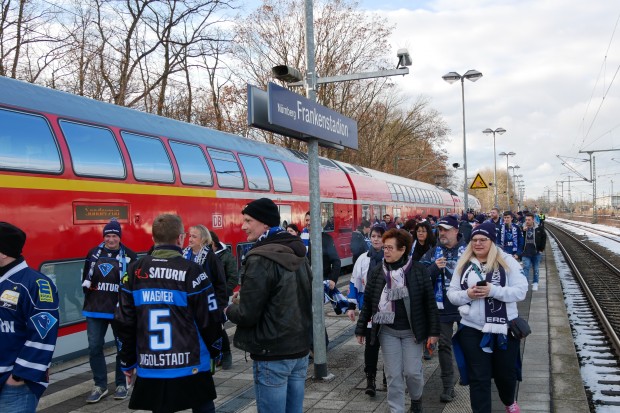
(101, 297)
(167, 320)
(28, 326)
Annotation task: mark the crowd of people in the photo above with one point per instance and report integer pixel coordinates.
(450, 281)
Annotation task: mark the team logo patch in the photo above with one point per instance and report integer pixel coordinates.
(10, 297)
(125, 279)
(45, 291)
(105, 269)
(43, 322)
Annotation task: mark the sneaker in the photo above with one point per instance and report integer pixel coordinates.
(120, 393)
(535, 287)
(448, 395)
(416, 406)
(513, 408)
(227, 361)
(97, 394)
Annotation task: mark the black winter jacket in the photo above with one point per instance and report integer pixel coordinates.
(274, 314)
(420, 305)
(540, 239)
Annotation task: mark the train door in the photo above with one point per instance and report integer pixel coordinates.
(286, 215)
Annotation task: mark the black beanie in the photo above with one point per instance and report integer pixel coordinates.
(12, 240)
(112, 227)
(263, 210)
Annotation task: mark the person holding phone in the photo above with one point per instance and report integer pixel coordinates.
(487, 284)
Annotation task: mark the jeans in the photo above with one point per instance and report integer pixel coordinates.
(371, 354)
(18, 399)
(481, 367)
(96, 329)
(529, 262)
(402, 360)
(446, 363)
(279, 385)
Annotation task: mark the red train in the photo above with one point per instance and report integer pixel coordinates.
(68, 164)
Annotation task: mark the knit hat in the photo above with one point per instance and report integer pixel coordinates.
(448, 222)
(263, 210)
(112, 227)
(480, 218)
(12, 240)
(487, 229)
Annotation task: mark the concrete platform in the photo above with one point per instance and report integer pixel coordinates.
(551, 377)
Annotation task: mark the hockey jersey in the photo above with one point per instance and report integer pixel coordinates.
(167, 321)
(101, 296)
(28, 325)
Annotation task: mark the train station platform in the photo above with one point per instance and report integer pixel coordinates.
(551, 376)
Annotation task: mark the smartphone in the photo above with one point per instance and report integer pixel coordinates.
(481, 283)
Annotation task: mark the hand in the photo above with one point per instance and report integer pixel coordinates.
(433, 340)
(11, 382)
(235, 298)
(516, 257)
(441, 262)
(360, 339)
(332, 284)
(351, 315)
(128, 376)
(478, 291)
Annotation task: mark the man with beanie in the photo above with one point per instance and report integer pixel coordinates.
(104, 266)
(441, 262)
(273, 309)
(28, 325)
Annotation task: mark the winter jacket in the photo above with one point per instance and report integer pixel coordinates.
(331, 260)
(540, 239)
(420, 305)
(513, 292)
(359, 276)
(274, 314)
(358, 245)
(230, 268)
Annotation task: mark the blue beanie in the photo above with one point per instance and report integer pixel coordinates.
(112, 227)
(487, 229)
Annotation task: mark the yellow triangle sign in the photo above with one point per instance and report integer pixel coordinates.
(478, 183)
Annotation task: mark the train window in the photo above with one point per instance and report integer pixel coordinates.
(193, 165)
(286, 215)
(27, 143)
(148, 157)
(399, 193)
(279, 176)
(366, 212)
(437, 197)
(427, 196)
(86, 144)
(392, 191)
(327, 216)
(327, 163)
(255, 173)
(418, 195)
(68, 279)
(227, 169)
(411, 193)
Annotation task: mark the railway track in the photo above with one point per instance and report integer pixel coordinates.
(613, 236)
(593, 302)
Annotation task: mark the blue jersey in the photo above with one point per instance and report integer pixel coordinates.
(28, 326)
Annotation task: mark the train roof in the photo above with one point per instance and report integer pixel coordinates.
(25, 95)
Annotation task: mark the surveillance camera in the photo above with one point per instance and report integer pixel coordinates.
(286, 74)
(456, 165)
(404, 59)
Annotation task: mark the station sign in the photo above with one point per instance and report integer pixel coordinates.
(290, 114)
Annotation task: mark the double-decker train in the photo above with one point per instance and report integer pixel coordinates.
(68, 164)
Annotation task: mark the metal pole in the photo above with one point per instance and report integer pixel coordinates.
(507, 185)
(464, 145)
(318, 316)
(495, 170)
(593, 177)
(570, 199)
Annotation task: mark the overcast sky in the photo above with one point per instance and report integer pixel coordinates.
(546, 64)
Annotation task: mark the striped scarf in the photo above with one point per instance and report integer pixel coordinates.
(199, 258)
(395, 289)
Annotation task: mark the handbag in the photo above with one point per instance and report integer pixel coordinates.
(519, 328)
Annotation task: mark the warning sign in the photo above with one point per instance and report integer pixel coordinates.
(478, 183)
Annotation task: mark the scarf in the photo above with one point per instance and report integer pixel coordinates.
(394, 289)
(271, 231)
(512, 242)
(122, 259)
(440, 283)
(495, 313)
(199, 258)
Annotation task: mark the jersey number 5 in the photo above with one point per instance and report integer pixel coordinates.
(162, 339)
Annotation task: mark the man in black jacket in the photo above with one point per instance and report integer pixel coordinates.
(535, 239)
(360, 240)
(273, 309)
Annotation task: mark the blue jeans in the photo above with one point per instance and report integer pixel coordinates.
(279, 385)
(96, 329)
(18, 399)
(529, 262)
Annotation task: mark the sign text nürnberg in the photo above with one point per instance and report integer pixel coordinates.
(297, 113)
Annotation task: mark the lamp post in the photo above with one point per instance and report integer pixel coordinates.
(507, 155)
(499, 131)
(516, 186)
(513, 179)
(452, 77)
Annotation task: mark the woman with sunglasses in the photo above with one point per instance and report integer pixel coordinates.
(487, 284)
(400, 302)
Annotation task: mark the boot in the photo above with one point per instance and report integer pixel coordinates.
(384, 379)
(371, 386)
(448, 394)
(416, 406)
(227, 360)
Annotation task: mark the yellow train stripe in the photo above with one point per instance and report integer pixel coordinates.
(75, 185)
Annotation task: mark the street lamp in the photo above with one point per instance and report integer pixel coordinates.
(513, 178)
(507, 175)
(452, 77)
(499, 131)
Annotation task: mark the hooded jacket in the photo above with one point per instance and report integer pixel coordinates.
(274, 314)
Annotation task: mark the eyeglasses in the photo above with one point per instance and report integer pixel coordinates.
(479, 240)
(389, 248)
